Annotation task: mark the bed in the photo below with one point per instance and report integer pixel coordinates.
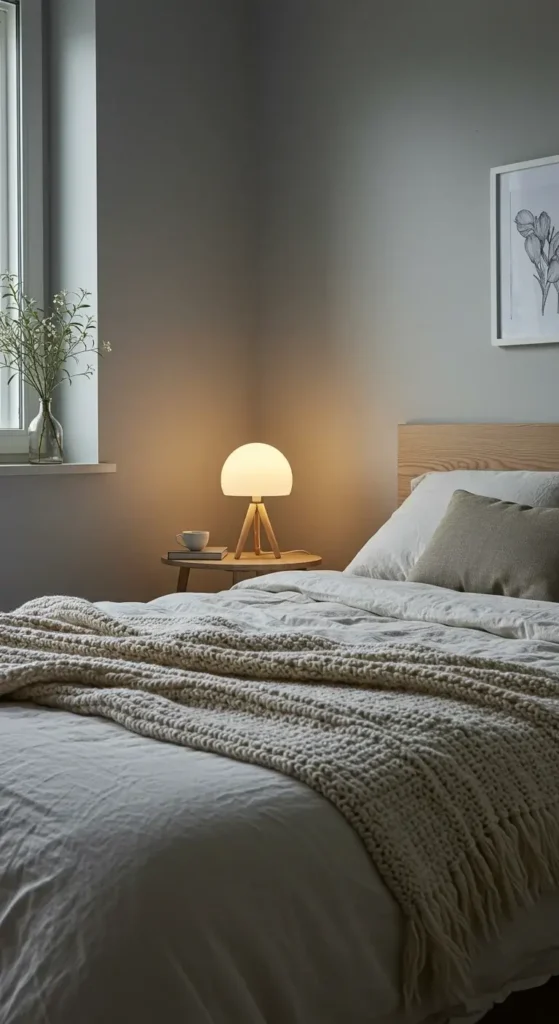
(144, 880)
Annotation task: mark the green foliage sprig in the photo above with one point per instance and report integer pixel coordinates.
(44, 348)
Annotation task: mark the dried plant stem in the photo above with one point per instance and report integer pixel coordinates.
(44, 349)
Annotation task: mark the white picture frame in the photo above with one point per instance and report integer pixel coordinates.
(524, 212)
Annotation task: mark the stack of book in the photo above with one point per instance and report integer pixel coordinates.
(206, 554)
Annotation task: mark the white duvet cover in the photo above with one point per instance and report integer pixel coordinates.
(142, 882)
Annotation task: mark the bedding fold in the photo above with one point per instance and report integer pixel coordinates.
(445, 765)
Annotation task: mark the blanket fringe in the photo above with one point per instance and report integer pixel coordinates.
(502, 872)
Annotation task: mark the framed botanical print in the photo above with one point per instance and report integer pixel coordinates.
(525, 253)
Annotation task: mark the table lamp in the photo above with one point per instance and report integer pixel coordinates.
(256, 471)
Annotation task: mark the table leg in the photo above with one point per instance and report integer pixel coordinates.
(182, 581)
(237, 577)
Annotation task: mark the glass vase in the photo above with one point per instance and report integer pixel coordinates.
(45, 437)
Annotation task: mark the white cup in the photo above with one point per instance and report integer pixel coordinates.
(193, 540)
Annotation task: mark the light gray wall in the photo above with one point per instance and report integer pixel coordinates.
(173, 299)
(379, 123)
(356, 137)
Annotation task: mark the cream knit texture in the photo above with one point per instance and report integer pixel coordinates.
(446, 766)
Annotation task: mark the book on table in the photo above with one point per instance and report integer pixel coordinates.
(207, 554)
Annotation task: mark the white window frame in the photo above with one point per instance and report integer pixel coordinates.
(24, 250)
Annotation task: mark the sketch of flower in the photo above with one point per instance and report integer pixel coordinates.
(533, 247)
(553, 272)
(525, 222)
(542, 226)
(539, 234)
(553, 276)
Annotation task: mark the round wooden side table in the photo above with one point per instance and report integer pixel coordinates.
(246, 564)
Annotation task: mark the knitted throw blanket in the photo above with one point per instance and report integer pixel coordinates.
(446, 766)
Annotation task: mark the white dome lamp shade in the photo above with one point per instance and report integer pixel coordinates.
(256, 471)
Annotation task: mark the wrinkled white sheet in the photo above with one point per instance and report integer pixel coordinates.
(143, 882)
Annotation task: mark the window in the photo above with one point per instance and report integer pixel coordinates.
(21, 181)
(10, 397)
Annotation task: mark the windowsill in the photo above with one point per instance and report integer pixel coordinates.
(64, 469)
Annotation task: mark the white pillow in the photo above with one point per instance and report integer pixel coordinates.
(392, 552)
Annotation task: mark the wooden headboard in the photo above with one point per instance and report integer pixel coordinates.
(428, 447)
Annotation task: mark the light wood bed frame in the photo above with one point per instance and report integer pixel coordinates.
(428, 447)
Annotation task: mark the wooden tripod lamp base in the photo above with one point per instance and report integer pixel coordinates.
(256, 515)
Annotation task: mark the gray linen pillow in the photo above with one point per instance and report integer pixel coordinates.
(486, 546)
